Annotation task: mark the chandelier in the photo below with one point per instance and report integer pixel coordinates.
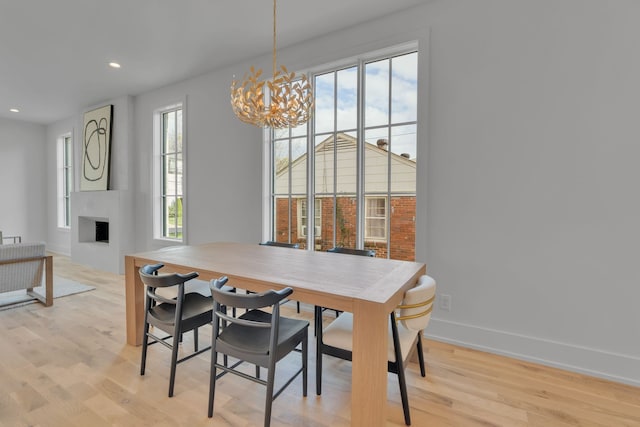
(289, 99)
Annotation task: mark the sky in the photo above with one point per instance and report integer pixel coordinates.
(340, 112)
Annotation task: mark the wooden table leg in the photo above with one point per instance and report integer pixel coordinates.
(134, 299)
(369, 371)
(48, 280)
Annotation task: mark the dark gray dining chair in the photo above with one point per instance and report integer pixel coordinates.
(284, 245)
(281, 244)
(174, 316)
(351, 251)
(259, 336)
(407, 323)
(338, 250)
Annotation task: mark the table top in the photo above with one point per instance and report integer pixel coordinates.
(340, 278)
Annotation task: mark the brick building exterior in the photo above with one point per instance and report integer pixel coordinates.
(399, 209)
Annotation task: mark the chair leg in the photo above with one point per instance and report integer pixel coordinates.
(143, 361)
(298, 306)
(195, 339)
(403, 392)
(421, 355)
(269, 395)
(174, 362)
(305, 352)
(318, 329)
(212, 382)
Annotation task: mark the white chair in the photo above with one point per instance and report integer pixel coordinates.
(405, 331)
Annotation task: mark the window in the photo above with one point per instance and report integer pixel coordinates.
(302, 218)
(169, 174)
(65, 180)
(358, 155)
(376, 218)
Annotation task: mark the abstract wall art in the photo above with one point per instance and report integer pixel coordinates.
(96, 149)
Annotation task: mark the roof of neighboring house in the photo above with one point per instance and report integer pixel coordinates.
(376, 168)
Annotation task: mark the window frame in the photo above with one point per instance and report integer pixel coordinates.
(160, 159)
(367, 218)
(360, 61)
(64, 180)
(317, 218)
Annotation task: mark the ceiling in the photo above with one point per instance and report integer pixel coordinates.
(54, 55)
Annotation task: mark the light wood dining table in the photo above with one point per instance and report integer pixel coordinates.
(369, 288)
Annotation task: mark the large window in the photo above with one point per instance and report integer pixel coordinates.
(169, 174)
(357, 155)
(65, 180)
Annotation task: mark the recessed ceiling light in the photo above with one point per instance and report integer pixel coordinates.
(14, 110)
(114, 65)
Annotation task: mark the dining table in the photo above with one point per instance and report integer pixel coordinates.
(370, 288)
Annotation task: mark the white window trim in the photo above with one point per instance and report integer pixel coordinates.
(393, 49)
(368, 238)
(302, 232)
(61, 176)
(156, 174)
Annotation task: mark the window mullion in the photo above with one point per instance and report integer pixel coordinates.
(389, 150)
(360, 135)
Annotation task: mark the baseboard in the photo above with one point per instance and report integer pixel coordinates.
(58, 250)
(602, 364)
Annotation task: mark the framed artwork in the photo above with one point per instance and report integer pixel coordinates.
(96, 149)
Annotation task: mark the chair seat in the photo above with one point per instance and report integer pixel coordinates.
(245, 339)
(193, 306)
(338, 334)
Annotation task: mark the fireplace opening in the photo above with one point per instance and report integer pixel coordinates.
(102, 231)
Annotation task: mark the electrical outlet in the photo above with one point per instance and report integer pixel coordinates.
(445, 302)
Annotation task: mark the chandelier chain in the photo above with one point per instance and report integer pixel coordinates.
(284, 101)
(274, 37)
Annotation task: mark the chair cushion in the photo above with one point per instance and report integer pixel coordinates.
(254, 340)
(194, 304)
(339, 334)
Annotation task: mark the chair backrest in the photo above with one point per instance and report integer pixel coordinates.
(247, 301)
(150, 277)
(224, 299)
(350, 251)
(415, 310)
(21, 266)
(281, 244)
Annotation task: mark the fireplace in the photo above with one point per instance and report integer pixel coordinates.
(102, 231)
(101, 228)
(93, 230)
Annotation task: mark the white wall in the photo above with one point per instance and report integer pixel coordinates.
(223, 164)
(59, 239)
(22, 180)
(527, 178)
(527, 172)
(532, 220)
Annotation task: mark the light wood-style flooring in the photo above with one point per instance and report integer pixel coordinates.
(69, 365)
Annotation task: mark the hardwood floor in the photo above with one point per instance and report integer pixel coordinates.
(69, 365)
